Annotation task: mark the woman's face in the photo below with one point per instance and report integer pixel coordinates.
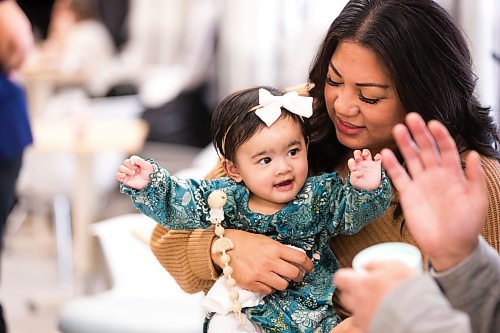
(361, 98)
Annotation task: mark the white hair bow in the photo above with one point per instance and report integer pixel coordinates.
(270, 105)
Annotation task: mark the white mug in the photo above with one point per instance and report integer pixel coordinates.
(406, 253)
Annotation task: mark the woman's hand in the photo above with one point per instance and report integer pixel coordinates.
(261, 264)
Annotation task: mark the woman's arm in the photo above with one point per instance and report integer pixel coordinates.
(262, 264)
(259, 263)
(185, 254)
(491, 227)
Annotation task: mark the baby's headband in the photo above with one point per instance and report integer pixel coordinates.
(269, 108)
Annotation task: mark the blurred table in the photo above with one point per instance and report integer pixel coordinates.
(85, 138)
(41, 80)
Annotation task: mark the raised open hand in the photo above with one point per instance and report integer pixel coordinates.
(443, 207)
(134, 172)
(365, 171)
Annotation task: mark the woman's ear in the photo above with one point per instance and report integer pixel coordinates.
(232, 170)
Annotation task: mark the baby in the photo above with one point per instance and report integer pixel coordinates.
(262, 137)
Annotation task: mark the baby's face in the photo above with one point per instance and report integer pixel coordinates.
(273, 164)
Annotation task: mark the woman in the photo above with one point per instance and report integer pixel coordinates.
(379, 60)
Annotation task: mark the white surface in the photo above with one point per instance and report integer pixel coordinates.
(144, 297)
(406, 253)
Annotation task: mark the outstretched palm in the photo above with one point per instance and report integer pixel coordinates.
(443, 208)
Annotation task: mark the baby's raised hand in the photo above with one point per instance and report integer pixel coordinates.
(134, 172)
(366, 173)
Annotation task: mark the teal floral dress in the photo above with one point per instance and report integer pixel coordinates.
(324, 207)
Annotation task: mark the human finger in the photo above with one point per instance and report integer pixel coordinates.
(398, 175)
(128, 163)
(125, 170)
(120, 176)
(367, 155)
(141, 163)
(428, 151)
(297, 258)
(300, 275)
(357, 155)
(351, 164)
(476, 179)
(288, 271)
(261, 280)
(273, 281)
(258, 287)
(446, 145)
(346, 280)
(135, 160)
(408, 149)
(474, 172)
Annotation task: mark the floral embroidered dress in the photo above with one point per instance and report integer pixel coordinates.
(324, 207)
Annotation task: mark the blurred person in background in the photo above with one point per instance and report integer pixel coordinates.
(168, 59)
(184, 56)
(78, 44)
(16, 40)
(39, 13)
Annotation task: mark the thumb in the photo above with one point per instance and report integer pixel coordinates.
(345, 277)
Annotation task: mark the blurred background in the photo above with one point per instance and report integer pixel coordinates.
(110, 78)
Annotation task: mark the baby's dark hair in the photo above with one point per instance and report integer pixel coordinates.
(233, 123)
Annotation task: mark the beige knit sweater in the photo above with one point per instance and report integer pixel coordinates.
(186, 254)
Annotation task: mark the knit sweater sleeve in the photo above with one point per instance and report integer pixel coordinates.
(185, 254)
(491, 227)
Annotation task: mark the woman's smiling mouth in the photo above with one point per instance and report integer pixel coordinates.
(347, 128)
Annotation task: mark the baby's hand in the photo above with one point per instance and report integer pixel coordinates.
(366, 173)
(134, 172)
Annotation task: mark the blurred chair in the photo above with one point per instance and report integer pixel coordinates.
(48, 185)
(143, 298)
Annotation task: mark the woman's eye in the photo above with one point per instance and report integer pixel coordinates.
(293, 152)
(332, 83)
(265, 160)
(368, 100)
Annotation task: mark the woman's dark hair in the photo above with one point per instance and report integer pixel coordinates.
(233, 123)
(429, 62)
(85, 9)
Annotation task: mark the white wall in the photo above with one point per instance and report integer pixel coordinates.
(480, 20)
